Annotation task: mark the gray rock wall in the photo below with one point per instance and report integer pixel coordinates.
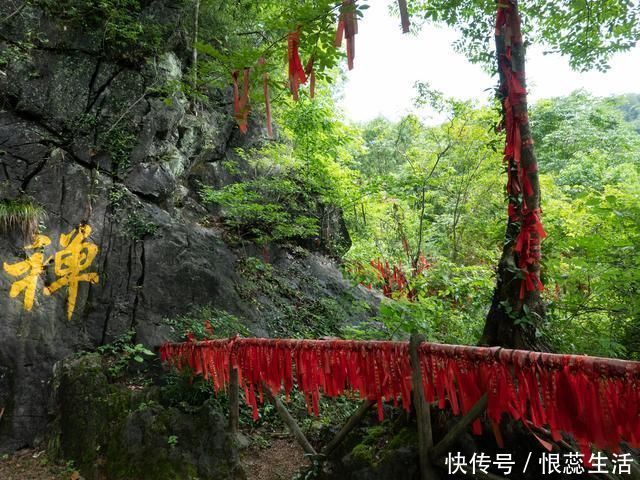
(89, 138)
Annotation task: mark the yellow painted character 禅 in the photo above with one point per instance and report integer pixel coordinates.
(70, 263)
(30, 270)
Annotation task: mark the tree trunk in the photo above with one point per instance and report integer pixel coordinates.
(517, 308)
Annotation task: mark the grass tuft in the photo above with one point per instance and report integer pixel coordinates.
(21, 215)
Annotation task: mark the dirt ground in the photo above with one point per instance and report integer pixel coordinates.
(33, 465)
(279, 460)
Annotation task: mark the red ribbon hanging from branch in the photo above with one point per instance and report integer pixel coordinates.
(241, 107)
(347, 28)
(311, 74)
(296, 72)
(597, 400)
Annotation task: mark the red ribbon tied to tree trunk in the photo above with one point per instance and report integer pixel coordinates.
(241, 107)
(347, 28)
(296, 72)
(519, 187)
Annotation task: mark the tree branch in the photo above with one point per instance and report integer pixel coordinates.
(459, 428)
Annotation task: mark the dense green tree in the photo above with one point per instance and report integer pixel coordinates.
(585, 31)
(589, 33)
(585, 141)
(591, 260)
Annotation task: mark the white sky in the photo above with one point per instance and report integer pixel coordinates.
(388, 63)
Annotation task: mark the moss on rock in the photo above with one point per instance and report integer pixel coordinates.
(117, 431)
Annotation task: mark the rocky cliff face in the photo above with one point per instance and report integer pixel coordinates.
(91, 134)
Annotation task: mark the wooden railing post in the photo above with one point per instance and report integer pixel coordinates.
(459, 428)
(353, 421)
(289, 421)
(234, 401)
(423, 412)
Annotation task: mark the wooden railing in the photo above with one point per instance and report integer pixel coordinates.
(597, 400)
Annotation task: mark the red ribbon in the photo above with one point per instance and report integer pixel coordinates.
(519, 185)
(348, 27)
(311, 74)
(241, 107)
(296, 72)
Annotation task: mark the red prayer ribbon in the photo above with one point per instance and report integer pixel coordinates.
(311, 74)
(296, 72)
(241, 107)
(347, 28)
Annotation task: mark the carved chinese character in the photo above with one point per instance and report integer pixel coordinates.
(30, 270)
(70, 263)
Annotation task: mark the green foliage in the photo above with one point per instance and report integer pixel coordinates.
(588, 155)
(16, 53)
(565, 130)
(188, 392)
(592, 264)
(266, 209)
(138, 226)
(291, 184)
(122, 353)
(421, 200)
(589, 159)
(118, 197)
(630, 106)
(300, 307)
(23, 215)
(589, 33)
(118, 143)
(124, 31)
(135, 222)
(206, 322)
(450, 307)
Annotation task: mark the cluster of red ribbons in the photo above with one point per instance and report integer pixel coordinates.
(519, 185)
(241, 106)
(395, 280)
(597, 400)
(392, 276)
(347, 28)
(297, 75)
